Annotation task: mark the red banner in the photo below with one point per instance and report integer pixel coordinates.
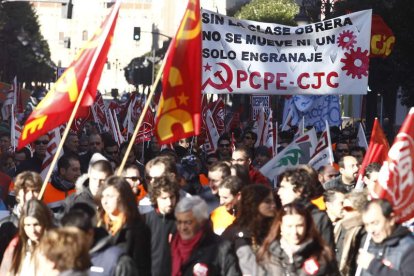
(396, 177)
(84, 73)
(382, 38)
(179, 108)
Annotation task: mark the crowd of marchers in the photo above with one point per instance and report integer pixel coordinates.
(179, 211)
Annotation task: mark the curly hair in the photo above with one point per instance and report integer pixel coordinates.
(27, 179)
(168, 184)
(301, 180)
(67, 248)
(311, 233)
(248, 215)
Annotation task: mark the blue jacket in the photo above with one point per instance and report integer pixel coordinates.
(394, 256)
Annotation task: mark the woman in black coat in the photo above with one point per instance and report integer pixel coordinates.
(118, 214)
(295, 247)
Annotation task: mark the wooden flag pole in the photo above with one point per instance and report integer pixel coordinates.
(141, 118)
(79, 99)
(62, 141)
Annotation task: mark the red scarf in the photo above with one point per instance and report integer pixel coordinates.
(181, 251)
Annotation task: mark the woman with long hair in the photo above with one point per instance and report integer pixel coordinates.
(35, 219)
(118, 214)
(295, 247)
(255, 214)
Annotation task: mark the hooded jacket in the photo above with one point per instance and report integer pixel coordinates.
(83, 194)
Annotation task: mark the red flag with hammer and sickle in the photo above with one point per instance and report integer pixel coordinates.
(179, 109)
(84, 72)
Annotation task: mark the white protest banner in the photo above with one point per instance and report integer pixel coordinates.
(248, 57)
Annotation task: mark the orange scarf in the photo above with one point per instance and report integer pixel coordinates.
(113, 226)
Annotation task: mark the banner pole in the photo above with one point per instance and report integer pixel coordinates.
(141, 118)
(95, 56)
(62, 141)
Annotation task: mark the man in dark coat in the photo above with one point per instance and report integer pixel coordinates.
(164, 194)
(390, 251)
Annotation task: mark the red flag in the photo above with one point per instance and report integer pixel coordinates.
(396, 177)
(179, 108)
(377, 150)
(382, 38)
(83, 74)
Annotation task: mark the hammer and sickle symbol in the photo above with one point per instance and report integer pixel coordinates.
(224, 83)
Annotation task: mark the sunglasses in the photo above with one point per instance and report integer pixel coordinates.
(224, 145)
(133, 178)
(41, 142)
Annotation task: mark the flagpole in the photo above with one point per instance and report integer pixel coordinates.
(141, 118)
(77, 104)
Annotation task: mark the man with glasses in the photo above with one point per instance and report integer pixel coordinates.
(34, 163)
(242, 157)
(224, 148)
(132, 175)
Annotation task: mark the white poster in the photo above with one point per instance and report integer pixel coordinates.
(248, 57)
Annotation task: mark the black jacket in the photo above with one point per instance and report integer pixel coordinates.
(8, 229)
(322, 222)
(33, 164)
(107, 259)
(307, 254)
(394, 256)
(134, 239)
(161, 228)
(215, 254)
(337, 183)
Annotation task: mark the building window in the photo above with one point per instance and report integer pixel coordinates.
(84, 35)
(61, 37)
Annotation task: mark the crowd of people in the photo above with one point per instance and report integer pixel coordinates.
(178, 211)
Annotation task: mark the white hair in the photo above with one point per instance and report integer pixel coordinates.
(196, 205)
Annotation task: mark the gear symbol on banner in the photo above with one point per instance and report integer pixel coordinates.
(356, 63)
(346, 40)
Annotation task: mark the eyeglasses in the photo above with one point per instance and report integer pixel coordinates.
(44, 142)
(224, 145)
(133, 178)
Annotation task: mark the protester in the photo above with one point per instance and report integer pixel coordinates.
(118, 214)
(334, 201)
(358, 153)
(34, 164)
(216, 174)
(350, 234)
(229, 192)
(295, 247)
(132, 175)
(164, 194)
(195, 249)
(87, 185)
(255, 214)
(95, 145)
(390, 251)
(371, 176)
(262, 155)
(106, 259)
(34, 221)
(341, 150)
(242, 157)
(62, 182)
(249, 139)
(297, 185)
(348, 169)
(241, 172)
(111, 150)
(63, 252)
(224, 148)
(327, 173)
(71, 145)
(27, 186)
